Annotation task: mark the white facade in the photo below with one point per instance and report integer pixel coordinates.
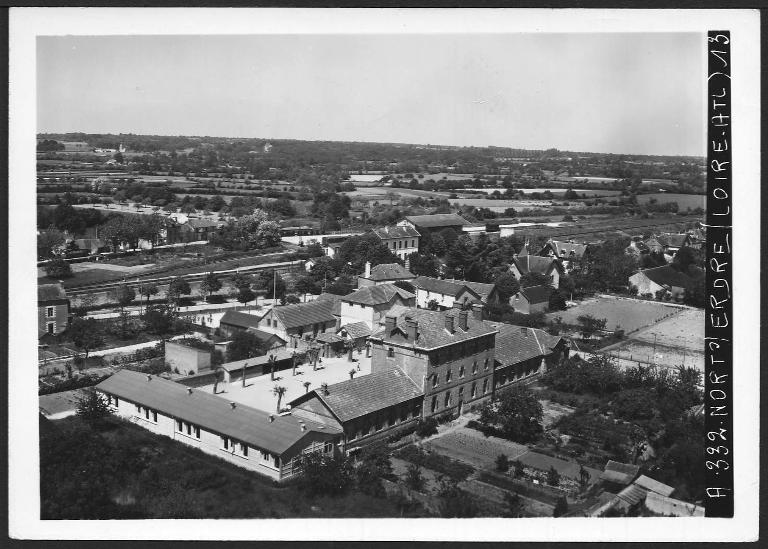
(225, 448)
(402, 247)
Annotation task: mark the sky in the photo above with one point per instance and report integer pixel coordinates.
(632, 93)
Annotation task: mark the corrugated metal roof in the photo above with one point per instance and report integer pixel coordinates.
(377, 295)
(366, 394)
(305, 314)
(50, 292)
(210, 412)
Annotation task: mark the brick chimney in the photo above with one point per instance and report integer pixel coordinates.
(463, 315)
(412, 328)
(449, 324)
(367, 269)
(389, 324)
(524, 331)
(477, 311)
(325, 389)
(457, 304)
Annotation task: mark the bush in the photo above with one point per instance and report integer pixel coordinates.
(502, 463)
(561, 507)
(427, 427)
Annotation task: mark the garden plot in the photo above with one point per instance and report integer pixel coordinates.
(472, 447)
(553, 411)
(627, 314)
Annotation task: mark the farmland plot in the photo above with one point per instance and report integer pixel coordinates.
(628, 314)
(472, 447)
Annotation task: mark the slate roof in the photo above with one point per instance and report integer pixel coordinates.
(431, 332)
(666, 275)
(265, 337)
(356, 330)
(437, 220)
(515, 344)
(619, 473)
(567, 249)
(438, 286)
(535, 264)
(211, 412)
(366, 394)
(390, 271)
(50, 292)
(377, 295)
(304, 314)
(480, 288)
(396, 231)
(537, 294)
(242, 320)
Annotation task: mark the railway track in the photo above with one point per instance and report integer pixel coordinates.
(282, 267)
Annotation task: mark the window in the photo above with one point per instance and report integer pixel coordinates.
(244, 449)
(225, 443)
(413, 243)
(51, 327)
(448, 376)
(433, 407)
(138, 409)
(49, 312)
(265, 456)
(154, 416)
(328, 447)
(485, 364)
(474, 367)
(403, 413)
(461, 372)
(390, 352)
(180, 427)
(447, 399)
(399, 243)
(189, 428)
(352, 434)
(197, 431)
(485, 386)
(435, 380)
(474, 390)
(362, 305)
(461, 394)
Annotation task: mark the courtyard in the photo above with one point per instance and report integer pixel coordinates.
(258, 390)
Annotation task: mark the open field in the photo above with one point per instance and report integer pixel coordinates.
(472, 447)
(558, 192)
(684, 201)
(624, 313)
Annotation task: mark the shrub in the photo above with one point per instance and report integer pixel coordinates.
(502, 463)
(427, 427)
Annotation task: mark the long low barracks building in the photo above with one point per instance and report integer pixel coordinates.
(270, 444)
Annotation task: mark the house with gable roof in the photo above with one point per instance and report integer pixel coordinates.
(401, 240)
(532, 300)
(370, 304)
(525, 263)
(303, 320)
(444, 292)
(384, 273)
(52, 309)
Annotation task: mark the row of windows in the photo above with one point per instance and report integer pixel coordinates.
(380, 421)
(190, 429)
(399, 244)
(147, 413)
(448, 397)
(502, 380)
(449, 373)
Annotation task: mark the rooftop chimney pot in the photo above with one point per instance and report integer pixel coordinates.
(463, 315)
(233, 404)
(271, 418)
(149, 377)
(412, 327)
(449, 323)
(189, 390)
(477, 311)
(367, 269)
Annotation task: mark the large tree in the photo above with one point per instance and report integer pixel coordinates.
(85, 333)
(516, 413)
(210, 285)
(177, 288)
(244, 344)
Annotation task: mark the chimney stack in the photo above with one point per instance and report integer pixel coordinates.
(189, 390)
(524, 331)
(477, 311)
(325, 389)
(233, 404)
(389, 324)
(457, 304)
(412, 327)
(367, 269)
(271, 418)
(149, 377)
(463, 315)
(449, 323)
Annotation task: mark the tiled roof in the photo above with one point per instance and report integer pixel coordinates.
(365, 394)
(633, 494)
(666, 275)
(210, 412)
(390, 271)
(357, 330)
(516, 344)
(480, 288)
(265, 337)
(50, 292)
(304, 314)
(438, 286)
(436, 220)
(619, 473)
(377, 295)
(537, 294)
(431, 331)
(535, 264)
(243, 320)
(396, 231)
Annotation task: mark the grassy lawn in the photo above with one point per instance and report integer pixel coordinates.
(629, 314)
(124, 471)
